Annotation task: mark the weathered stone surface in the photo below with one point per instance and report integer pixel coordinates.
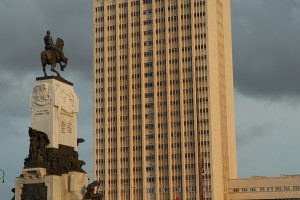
(54, 107)
(69, 186)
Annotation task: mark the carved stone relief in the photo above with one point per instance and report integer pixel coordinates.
(66, 100)
(41, 95)
(66, 124)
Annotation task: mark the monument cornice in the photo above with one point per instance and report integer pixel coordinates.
(59, 78)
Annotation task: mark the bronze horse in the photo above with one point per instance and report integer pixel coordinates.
(53, 56)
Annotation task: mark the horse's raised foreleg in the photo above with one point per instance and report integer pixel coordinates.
(53, 69)
(65, 61)
(62, 67)
(44, 69)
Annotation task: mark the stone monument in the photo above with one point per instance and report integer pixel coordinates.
(52, 170)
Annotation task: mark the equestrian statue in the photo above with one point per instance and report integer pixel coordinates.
(53, 54)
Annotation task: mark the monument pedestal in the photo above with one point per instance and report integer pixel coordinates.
(54, 107)
(52, 170)
(36, 185)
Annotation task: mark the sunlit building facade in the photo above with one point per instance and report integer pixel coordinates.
(285, 187)
(163, 99)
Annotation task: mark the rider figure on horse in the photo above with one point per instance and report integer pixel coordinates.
(49, 45)
(53, 54)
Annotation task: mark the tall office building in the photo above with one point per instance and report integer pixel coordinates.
(163, 98)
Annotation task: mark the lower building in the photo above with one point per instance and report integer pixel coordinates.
(260, 187)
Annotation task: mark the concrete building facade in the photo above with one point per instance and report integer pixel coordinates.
(163, 99)
(285, 187)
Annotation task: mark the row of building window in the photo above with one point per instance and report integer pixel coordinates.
(145, 2)
(149, 22)
(149, 32)
(150, 105)
(152, 157)
(147, 116)
(266, 189)
(150, 64)
(149, 43)
(150, 74)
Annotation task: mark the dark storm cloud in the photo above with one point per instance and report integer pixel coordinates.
(266, 47)
(24, 23)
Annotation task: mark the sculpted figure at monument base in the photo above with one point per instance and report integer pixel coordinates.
(90, 192)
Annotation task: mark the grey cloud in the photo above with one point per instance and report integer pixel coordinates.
(12, 127)
(15, 113)
(22, 32)
(252, 132)
(15, 92)
(266, 48)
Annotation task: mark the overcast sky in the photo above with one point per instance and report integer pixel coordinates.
(266, 53)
